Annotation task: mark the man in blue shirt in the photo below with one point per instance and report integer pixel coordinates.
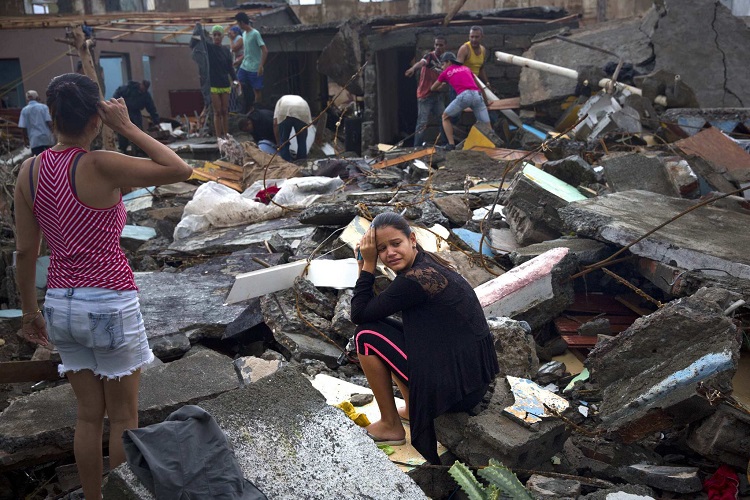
(250, 73)
(37, 123)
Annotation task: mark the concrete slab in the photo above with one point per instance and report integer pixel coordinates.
(29, 435)
(199, 294)
(586, 251)
(291, 444)
(621, 218)
(535, 291)
(239, 238)
(654, 367)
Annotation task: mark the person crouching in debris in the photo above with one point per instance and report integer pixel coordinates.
(468, 95)
(221, 76)
(91, 310)
(291, 111)
(442, 358)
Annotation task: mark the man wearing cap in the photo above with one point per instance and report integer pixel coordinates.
(37, 123)
(250, 73)
(429, 103)
(468, 95)
(291, 111)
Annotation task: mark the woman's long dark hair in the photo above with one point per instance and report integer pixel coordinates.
(72, 99)
(399, 222)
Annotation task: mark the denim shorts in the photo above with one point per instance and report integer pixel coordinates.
(97, 329)
(469, 99)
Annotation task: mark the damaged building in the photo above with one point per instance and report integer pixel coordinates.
(599, 220)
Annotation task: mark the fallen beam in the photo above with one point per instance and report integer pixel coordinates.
(404, 158)
(12, 372)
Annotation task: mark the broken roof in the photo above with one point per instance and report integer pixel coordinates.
(149, 27)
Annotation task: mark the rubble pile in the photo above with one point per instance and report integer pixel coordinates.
(608, 258)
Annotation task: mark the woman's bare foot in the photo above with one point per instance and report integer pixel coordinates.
(403, 412)
(381, 431)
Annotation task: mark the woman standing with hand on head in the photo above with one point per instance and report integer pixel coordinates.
(442, 358)
(91, 310)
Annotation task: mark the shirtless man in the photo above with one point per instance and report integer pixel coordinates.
(473, 54)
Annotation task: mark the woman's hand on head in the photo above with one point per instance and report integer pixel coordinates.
(114, 114)
(368, 247)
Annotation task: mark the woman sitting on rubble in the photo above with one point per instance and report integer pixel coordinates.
(91, 310)
(442, 358)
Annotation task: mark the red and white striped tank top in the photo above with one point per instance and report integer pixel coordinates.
(84, 242)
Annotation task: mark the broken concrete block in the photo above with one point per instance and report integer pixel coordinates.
(342, 315)
(675, 479)
(532, 202)
(29, 435)
(251, 317)
(251, 369)
(654, 367)
(626, 171)
(361, 399)
(548, 487)
(455, 208)
(305, 335)
(599, 326)
(169, 346)
(723, 437)
(337, 214)
(621, 218)
(313, 299)
(472, 271)
(299, 448)
(515, 347)
(586, 251)
(491, 434)
(536, 291)
(681, 176)
(572, 170)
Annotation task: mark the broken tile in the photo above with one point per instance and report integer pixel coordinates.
(250, 369)
(532, 403)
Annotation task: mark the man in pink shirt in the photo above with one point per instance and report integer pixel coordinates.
(468, 95)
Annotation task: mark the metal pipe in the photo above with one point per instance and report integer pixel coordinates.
(557, 70)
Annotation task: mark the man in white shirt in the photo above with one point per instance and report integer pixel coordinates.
(291, 111)
(37, 123)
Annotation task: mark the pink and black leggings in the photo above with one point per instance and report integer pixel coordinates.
(384, 339)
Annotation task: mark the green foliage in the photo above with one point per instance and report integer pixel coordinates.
(502, 481)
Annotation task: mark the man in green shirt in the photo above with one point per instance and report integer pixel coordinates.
(250, 73)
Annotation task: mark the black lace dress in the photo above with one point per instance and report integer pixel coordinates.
(448, 343)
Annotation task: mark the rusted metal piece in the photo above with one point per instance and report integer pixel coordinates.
(633, 287)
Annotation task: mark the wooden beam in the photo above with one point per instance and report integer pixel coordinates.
(451, 14)
(12, 372)
(407, 157)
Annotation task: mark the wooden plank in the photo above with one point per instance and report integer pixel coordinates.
(454, 10)
(578, 341)
(229, 166)
(501, 104)
(598, 303)
(407, 157)
(12, 372)
(631, 302)
(565, 326)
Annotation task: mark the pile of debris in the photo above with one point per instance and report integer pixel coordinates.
(606, 257)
